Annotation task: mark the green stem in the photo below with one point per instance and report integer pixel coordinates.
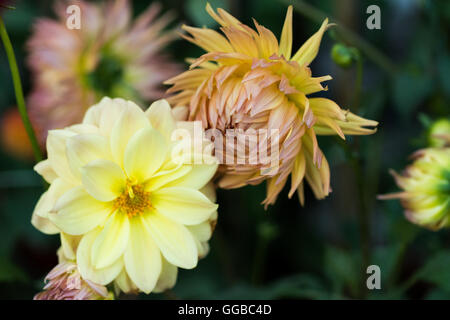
(363, 214)
(358, 83)
(348, 35)
(18, 90)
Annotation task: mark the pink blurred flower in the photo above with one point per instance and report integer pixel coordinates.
(110, 55)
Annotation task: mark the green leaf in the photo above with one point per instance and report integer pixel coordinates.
(410, 90)
(437, 270)
(341, 269)
(9, 272)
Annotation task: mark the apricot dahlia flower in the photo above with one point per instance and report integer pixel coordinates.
(248, 80)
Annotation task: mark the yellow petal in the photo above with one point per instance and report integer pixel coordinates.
(105, 114)
(83, 148)
(48, 199)
(167, 278)
(160, 115)
(142, 257)
(286, 35)
(112, 241)
(209, 190)
(308, 51)
(176, 243)
(144, 154)
(56, 150)
(77, 212)
(225, 19)
(298, 172)
(131, 120)
(103, 179)
(326, 108)
(208, 39)
(69, 245)
(44, 225)
(99, 276)
(197, 178)
(202, 232)
(44, 168)
(124, 283)
(183, 205)
(163, 178)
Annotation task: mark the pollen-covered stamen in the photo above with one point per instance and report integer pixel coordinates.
(133, 201)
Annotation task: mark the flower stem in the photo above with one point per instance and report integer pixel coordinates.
(363, 214)
(18, 91)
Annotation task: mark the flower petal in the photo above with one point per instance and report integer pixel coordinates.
(160, 115)
(308, 51)
(176, 243)
(112, 241)
(183, 205)
(168, 277)
(77, 212)
(44, 168)
(124, 283)
(83, 148)
(56, 150)
(197, 178)
(103, 179)
(99, 276)
(69, 245)
(48, 199)
(105, 114)
(163, 178)
(286, 36)
(144, 154)
(131, 119)
(142, 256)
(44, 225)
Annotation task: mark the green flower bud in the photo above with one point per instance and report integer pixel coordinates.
(342, 55)
(439, 133)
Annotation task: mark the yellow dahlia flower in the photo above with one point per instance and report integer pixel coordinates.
(110, 55)
(426, 188)
(248, 80)
(118, 196)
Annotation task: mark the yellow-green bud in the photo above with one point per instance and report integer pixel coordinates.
(439, 133)
(342, 55)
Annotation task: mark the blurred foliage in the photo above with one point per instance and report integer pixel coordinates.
(288, 252)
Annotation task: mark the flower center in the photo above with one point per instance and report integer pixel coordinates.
(107, 74)
(133, 201)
